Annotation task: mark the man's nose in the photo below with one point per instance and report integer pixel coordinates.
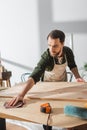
(51, 48)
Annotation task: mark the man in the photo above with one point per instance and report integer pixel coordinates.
(52, 65)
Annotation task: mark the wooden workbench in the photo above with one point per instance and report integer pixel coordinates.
(58, 94)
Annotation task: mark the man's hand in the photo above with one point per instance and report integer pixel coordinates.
(14, 101)
(80, 80)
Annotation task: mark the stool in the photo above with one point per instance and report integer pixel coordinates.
(5, 76)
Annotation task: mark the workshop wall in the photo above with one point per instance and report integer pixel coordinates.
(24, 26)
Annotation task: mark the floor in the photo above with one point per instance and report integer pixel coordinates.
(11, 126)
(30, 126)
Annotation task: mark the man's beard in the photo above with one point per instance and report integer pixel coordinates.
(55, 54)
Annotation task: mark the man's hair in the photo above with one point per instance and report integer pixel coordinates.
(54, 34)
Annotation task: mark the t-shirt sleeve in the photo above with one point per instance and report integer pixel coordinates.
(70, 58)
(40, 67)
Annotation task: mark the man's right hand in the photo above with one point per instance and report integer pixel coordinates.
(14, 100)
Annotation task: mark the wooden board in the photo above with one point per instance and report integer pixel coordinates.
(31, 112)
(54, 90)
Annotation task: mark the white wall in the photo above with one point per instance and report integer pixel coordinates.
(80, 48)
(73, 11)
(69, 10)
(25, 24)
(19, 34)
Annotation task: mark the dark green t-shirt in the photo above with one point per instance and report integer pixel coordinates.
(47, 63)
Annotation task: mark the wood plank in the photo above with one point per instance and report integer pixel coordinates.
(51, 90)
(31, 112)
(58, 94)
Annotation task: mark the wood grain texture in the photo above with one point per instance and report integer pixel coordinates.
(57, 94)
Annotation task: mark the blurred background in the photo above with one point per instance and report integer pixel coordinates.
(25, 24)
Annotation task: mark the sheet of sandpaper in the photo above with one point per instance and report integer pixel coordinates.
(73, 90)
(30, 112)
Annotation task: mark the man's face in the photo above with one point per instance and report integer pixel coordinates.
(55, 47)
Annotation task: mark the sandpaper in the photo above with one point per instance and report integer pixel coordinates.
(17, 105)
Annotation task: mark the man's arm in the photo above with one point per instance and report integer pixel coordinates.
(34, 78)
(26, 87)
(77, 75)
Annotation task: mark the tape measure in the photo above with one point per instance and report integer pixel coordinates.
(46, 108)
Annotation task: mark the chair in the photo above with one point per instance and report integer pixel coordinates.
(24, 76)
(70, 76)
